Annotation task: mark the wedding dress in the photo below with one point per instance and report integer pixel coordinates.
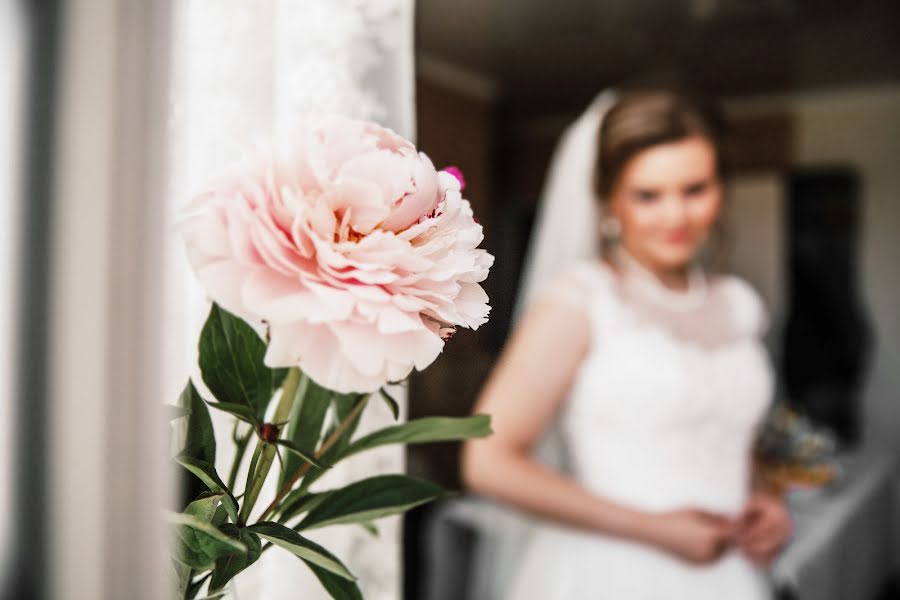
(661, 415)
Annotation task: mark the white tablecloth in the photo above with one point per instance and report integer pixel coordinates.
(844, 547)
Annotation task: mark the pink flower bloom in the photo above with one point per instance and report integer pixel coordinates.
(456, 172)
(353, 250)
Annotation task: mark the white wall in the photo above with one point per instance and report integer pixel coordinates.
(861, 127)
(756, 237)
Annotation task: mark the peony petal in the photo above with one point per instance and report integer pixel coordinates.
(340, 302)
(389, 170)
(203, 234)
(365, 200)
(284, 300)
(391, 320)
(224, 281)
(362, 346)
(422, 201)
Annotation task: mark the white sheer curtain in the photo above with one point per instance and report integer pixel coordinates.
(243, 72)
(108, 473)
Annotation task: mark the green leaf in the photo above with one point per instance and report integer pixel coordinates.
(227, 567)
(241, 411)
(207, 474)
(180, 577)
(298, 502)
(200, 439)
(370, 527)
(428, 429)
(231, 361)
(197, 439)
(303, 455)
(175, 412)
(338, 587)
(199, 543)
(371, 499)
(343, 406)
(206, 507)
(305, 423)
(278, 376)
(391, 402)
(298, 545)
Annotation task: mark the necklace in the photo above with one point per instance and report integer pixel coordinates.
(650, 284)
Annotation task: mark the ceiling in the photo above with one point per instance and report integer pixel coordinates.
(548, 56)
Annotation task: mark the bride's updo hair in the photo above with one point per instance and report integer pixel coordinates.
(641, 119)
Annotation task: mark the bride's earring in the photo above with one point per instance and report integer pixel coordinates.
(711, 252)
(610, 229)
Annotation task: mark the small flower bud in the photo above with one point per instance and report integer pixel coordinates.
(268, 432)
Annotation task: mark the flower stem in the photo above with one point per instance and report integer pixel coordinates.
(252, 473)
(265, 452)
(242, 443)
(326, 445)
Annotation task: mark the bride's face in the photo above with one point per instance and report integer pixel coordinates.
(667, 199)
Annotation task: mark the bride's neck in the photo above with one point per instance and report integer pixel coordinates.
(674, 278)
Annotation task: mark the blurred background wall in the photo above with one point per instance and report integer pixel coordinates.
(812, 93)
(859, 126)
(805, 84)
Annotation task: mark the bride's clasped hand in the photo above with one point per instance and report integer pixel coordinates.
(698, 536)
(766, 527)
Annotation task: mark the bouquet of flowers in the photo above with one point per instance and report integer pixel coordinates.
(795, 453)
(336, 264)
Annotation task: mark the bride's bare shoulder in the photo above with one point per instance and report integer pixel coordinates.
(557, 321)
(546, 345)
(573, 287)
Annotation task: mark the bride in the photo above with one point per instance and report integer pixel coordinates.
(657, 375)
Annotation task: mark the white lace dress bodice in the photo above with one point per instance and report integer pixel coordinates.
(661, 415)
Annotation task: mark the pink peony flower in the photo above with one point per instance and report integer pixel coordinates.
(358, 256)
